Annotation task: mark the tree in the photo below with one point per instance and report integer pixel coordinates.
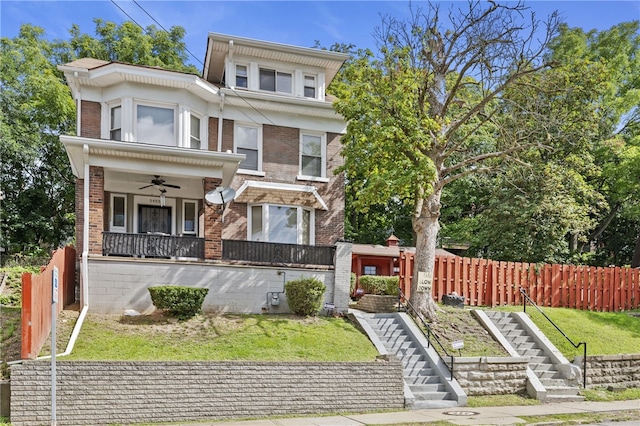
(37, 187)
(35, 108)
(427, 112)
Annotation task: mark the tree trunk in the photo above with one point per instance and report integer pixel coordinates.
(426, 227)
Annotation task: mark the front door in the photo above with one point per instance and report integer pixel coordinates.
(154, 219)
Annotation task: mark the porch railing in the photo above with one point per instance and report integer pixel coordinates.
(276, 253)
(152, 245)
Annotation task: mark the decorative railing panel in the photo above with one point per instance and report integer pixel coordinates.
(276, 253)
(151, 245)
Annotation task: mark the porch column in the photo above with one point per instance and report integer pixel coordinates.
(342, 276)
(212, 224)
(96, 209)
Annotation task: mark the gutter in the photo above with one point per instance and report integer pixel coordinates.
(84, 265)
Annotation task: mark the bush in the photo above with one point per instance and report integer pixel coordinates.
(181, 301)
(305, 296)
(377, 284)
(352, 283)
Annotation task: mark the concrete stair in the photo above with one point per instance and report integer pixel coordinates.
(558, 388)
(429, 390)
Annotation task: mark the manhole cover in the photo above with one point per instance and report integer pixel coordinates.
(461, 413)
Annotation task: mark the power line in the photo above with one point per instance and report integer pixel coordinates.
(165, 30)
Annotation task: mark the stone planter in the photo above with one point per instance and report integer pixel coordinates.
(375, 303)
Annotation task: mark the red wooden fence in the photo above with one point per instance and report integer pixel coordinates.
(36, 299)
(485, 282)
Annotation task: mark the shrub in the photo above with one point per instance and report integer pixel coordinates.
(181, 301)
(377, 284)
(352, 286)
(305, 296)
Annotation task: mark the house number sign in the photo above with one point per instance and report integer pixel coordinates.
(425, 282)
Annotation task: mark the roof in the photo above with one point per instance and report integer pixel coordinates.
(384, 251)
(221, 45)
(280, 193)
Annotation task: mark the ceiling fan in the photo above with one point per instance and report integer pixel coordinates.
(161, 183)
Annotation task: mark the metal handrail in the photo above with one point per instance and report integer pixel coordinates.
(523, 292)
(413, 312)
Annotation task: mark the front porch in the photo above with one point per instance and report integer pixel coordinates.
(158, 245)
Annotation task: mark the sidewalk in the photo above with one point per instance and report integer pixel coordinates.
(456, 415)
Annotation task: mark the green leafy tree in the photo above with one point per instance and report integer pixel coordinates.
(426, 112)
(35, 108)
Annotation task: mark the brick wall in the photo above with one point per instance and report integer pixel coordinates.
(96, 209)
(491, 375)
(614, 370)
(95, 393)
(213, 133)
(212, 224)
(90, 117)
(377, 303)
(79, 216)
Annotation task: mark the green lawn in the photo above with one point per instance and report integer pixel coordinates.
(228, 337)
(606, 333)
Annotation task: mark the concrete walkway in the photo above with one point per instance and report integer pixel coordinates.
(457, 415)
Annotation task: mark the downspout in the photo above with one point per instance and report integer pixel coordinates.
(220, 120)
(84, 265)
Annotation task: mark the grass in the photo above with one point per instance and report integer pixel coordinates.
(606, 333)
(229, 337)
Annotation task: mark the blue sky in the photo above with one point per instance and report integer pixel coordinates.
(291, 22)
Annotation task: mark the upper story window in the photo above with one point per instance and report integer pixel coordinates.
(248, 141)
(309, 86)
(275, 81)
(242, 76)
(313, 153)
(195, 141)
(155, 125)
(115, 126)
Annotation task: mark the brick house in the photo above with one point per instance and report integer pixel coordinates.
(224, 180)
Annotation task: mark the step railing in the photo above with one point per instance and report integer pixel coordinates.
(417, 317)
(526, 299)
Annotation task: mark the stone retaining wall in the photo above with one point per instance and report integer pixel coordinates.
(491, 375)
(377, 303)
(612, 370)
(98, 393)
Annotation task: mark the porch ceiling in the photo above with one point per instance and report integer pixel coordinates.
(149, 159)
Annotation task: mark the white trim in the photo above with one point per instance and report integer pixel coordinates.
(158, 105)
(282, 186)
(265, 221)
(195, 222)
(312, 178)
(258, 127)
(153, 201)
(323, 154)
(112, 227)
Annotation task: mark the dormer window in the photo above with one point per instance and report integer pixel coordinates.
(309, 86)
(241, 76)
(275, 81)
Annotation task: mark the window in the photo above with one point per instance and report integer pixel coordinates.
(312, 153)
(275, 81)
(118, 217)
(189, 217)
(155, 125)
(241, 76)
(247, 142)
(195, 141)
(309, 86)
(281, 224)
(370, 270)
(115, 126)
